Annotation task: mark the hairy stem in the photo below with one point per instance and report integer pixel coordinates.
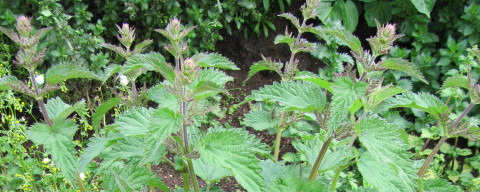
(454, 149)
(40, 102)
(321, 154)
(278, 140)
(186, 182)
(430, 157)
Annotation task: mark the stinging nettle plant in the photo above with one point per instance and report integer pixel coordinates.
(351, 107)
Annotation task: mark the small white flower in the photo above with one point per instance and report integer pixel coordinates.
(40, 79)
(82, 176)
(46, 160)
(123, 80)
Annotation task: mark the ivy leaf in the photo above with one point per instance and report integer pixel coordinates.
(134, 122)
(456, 81)
(61, 72)
(6, 81)
(424, 6)
(345, 38)
(404, 66)
(131, 178)
(260, 120)
(101, 110)
(377, 10)
(293, 95)
(57, 141)
(214, 60)
(153, 61)
(423, 101)
(57, 110)
(264, 65)
(163, 97)
(345, 92)
(209, 172)
(439, 185)
(234, 150)
(388, 153)
(164, 122)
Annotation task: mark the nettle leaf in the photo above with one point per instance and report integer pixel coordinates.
(134, 122)
(209, 82)
(6, 81)
(349, 14)
(214, 60)
(57, 110)
(163, 97)
(102, 109)
(345, 93)
(345, 38)
(164, 122)
(57, 141)
(234, 150)
(109, 71)
(61, 72)
(388, 153)
(423, 101)
(292, 19)
(209, 172)
(293, 95)
(264, 65)
(131, 178)
(309, 149)
(294, 183)
(260, 120)
(308, 76)
(439, 185)
(284, 39)
(424, 6)
(404, 66)
(456, 81)
(379, 95)
(153, 61)
(96, 146)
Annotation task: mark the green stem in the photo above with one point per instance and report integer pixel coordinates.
(335, 179)
(208, 186)
(186, 182)
(196, 188)
(321, 154)
(278, 140)
(40, 100)
(430, 157)
(168, 161)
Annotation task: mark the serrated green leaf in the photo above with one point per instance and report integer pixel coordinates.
(153, 61)
(345, 92)
(388, 153)
(209, 172)
(102, 109)
(456, 81)
(308, 76)
(284, 39)
(214, 60)
(439, 185)
(260, 120)
(423, 101)
(61, 72)
(345, 38)
(293, 95)
(349, 14)
(131, 178)
(134, 122)
(404, 66)
(57, 141)
(234, 150)
(209, 82)
(164, 122)
(109, 71)
(163, 97)
(96, 145)
(264, 65)
(57, 110)
(379, 95)
(292, 19)
(206, 89)
(424, 6)
(127, 148)
(6, 81)
(294, 183)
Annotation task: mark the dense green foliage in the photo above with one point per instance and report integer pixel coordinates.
(363, 122)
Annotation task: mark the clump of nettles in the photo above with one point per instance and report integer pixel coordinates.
(28, 56)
